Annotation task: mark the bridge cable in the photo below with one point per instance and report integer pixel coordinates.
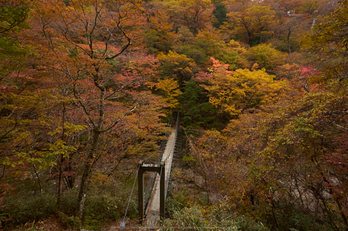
(122, 225)
(171, 154)
(152, 154)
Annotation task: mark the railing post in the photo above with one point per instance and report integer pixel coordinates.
(141, 191)
(162, 189)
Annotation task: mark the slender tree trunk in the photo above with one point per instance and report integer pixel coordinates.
(3, 172)
(326, 208)
(288, 39)
(38, 178)
(86, 171)
(61, 160)
(344, 218)
(70, 179)
(60, 180)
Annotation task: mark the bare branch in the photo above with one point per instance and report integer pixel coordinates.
(3, 172)
(9, 131)
(76, 45)
(79, 99)
(118, 90)
(117, 121)
(339, 126)
(124, 47)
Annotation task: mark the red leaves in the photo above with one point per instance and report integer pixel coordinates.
(339, 159)
(217, 65)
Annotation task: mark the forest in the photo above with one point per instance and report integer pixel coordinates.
(90, 87)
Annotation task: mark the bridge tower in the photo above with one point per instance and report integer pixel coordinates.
(160, 169)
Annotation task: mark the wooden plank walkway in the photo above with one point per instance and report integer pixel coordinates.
(153, 208)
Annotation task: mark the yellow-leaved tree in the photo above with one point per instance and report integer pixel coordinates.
(169, 89)
(195, 14)
(233, 92)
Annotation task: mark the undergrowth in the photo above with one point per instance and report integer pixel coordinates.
(103, 204)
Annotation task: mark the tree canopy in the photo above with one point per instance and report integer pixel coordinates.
(90, 87)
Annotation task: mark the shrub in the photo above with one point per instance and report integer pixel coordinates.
(23, 209)
(291, 217)
(102, 207)
(68, 203)
(102, 204)
(217, 218)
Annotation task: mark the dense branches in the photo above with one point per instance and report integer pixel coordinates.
(87, 86)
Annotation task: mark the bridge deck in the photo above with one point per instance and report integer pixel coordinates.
(153, 209)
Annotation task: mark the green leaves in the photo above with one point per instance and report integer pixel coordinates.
(13, 14)
(61, 148)
(266, 56)
(195, 106)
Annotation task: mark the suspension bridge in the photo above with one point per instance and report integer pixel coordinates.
(151, 203)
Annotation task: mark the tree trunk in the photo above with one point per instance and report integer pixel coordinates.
(38, 178)
(61, 160)
(344, 218)
(288, 39)
(86, 171)
(60, 180)
(70, 180)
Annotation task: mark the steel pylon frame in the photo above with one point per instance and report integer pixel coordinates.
(160, 169)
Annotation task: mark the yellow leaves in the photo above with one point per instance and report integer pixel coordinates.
(41, 159)
(160, 35)
(236, 46)
(8, 162)
(194, 14)
(210, 35)
(100, 179)
(174, 59)
(243, 89)
(175, 65)
(161, 22)
(169, 88)
(69, 129)
(60, 148)
(23, 135)
(266, 56)
(253, 21)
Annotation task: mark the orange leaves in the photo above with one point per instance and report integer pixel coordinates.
(93, 27)
(92, 92)
(217, 66)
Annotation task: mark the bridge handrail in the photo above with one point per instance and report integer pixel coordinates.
(168, 169)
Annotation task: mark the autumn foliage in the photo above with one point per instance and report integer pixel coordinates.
(89, 87)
